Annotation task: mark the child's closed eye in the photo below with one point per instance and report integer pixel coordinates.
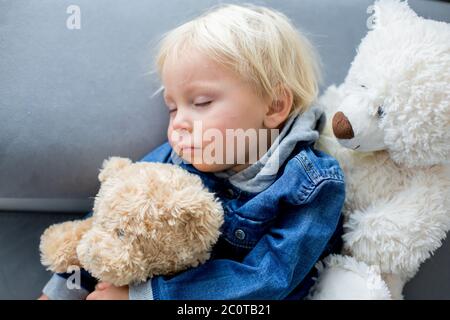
(202, 104)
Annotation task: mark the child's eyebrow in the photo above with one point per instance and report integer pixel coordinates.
(189, 88)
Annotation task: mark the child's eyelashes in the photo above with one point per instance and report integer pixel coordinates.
(203, 104)
(172, 110)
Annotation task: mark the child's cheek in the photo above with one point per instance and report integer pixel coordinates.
(171, 137)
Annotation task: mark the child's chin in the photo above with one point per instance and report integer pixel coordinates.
(204, 167)
(199, 163)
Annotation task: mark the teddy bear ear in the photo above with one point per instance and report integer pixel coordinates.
(112, 166)
(387, 12)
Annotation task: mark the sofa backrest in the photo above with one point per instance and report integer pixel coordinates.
(71, 97)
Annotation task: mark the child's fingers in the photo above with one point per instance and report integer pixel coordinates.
(92, 296)
(102, 285)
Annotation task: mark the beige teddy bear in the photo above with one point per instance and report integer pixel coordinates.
(148, 219)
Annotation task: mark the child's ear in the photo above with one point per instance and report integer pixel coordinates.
(279, 109)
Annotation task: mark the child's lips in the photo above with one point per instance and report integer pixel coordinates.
(188, 148)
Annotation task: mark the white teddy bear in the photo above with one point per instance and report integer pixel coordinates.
(391, 118)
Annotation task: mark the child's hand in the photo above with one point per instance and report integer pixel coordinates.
(106, 291)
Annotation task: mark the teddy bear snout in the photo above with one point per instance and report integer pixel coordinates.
(342, 128)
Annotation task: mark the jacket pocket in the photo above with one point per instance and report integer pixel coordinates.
(243, 233)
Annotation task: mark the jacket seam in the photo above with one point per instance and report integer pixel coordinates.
(239, 245)
(325, 179)
(231, 212)
(308, 166)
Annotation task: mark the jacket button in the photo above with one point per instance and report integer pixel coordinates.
(240, 234)
(230, 193)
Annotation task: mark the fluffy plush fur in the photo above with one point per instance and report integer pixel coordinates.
(149, 219)
(394, 149)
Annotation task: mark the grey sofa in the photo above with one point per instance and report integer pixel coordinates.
(71, 97)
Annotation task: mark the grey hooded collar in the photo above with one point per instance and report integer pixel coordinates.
(261, 174)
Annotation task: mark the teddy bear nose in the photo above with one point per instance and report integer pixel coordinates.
(342, 128)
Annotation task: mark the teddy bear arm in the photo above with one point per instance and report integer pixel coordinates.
(400, 233)
(59, 242)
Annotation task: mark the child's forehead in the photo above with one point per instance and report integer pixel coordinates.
(192, 86)
(192, 72)
(190, 64)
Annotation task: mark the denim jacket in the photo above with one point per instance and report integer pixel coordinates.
(270, 240)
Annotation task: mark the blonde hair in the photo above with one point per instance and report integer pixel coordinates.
(258, 43)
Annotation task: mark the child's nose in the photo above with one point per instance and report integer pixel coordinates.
(181, 121)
